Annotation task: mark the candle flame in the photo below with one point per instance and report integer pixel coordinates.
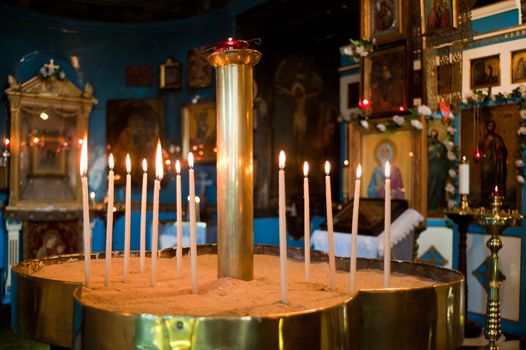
(345, 162)
(387, 170)
(281, 159)
(7, 142)
(144, 165)
(305, 169)
(191, 160)
(111, 161)
(327, 167)
(159, 161)
(359, 171)
(128, 163)
(197, 200)
(496, 189)
(84, 158)
(464, 158)
(178, 167)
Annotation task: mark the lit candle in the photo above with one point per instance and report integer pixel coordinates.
(193, 244)
(463, 176)
(354, 228)
(346, 188)
(387, 226)
(127, 219)
(282, 228)
(143, 213)
(155, 215)
(179, 253)
(306, 227)
(330, 229)
(109, 222)
(85, 211)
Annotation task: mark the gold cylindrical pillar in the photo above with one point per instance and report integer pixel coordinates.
(234, 160)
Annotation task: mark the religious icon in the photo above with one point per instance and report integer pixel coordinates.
(199, 71)
(438, 165)
(199, 130)
(385, 81)
(385, 152)
(493, 155)
(134, 126)
(485, 72)
(438, 15)
(518, 66)
(384, 20)
(170, 74)
(51, 244)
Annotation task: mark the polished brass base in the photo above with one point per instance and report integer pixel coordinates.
(413, 318)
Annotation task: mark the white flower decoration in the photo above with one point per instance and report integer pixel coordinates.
(398, 120)
(450, 188)
(451, 204)
(451, 130)
(519, 163)
(364, 124)
(452, 173)
(523, 113)
(522, 130)
(451, 156)
(425, 110)
(380, 127)
(520, 179)
(416, 124)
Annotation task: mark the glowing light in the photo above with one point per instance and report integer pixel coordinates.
(7, 142)
(359, 171)
(401, 108)
(128, 163)
(111, 161)
(36, 140)
(44, 116)
(327, 167)
(144, 165)
(191, 160)
(345, 162)
(197, 200)
(464, 159)
(168, 162)
(387, 169)
(159, 172)
(178, 167)
(281, 159)
(305, 169)
(83, 158)
(80, 141)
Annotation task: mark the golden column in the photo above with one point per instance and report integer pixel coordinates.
(235, 205)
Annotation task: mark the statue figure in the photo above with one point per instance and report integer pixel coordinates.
(492, 163)
(437, 172)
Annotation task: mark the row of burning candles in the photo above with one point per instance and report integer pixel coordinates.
(192, 211)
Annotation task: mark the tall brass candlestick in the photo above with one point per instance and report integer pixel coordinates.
(234, 159)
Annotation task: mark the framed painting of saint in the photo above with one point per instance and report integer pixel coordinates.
(491, 147)
(518, 66)
(385, 77)
(485, 72)
(384, 20)
(438, 16)
(405, 151)
(199, 130)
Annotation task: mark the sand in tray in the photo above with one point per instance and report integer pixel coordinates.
(218, 297)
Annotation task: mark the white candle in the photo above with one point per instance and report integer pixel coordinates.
(306, 220)
(144, 201)
(463, 176)
(346, 181)
(330, 229)
(179, 253)
(193, 243)
(387, 226)
(155, 215)
(197, 208)
(354, 228)
(85, 211)
(282, 228)
(109, 222)
(127, 219)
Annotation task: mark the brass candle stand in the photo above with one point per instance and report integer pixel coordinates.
(463, 216)
(495, 221)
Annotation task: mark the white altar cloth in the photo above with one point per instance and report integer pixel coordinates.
(402, 229)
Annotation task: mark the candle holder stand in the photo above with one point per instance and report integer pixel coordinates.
(495, 221)
(462, 216)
